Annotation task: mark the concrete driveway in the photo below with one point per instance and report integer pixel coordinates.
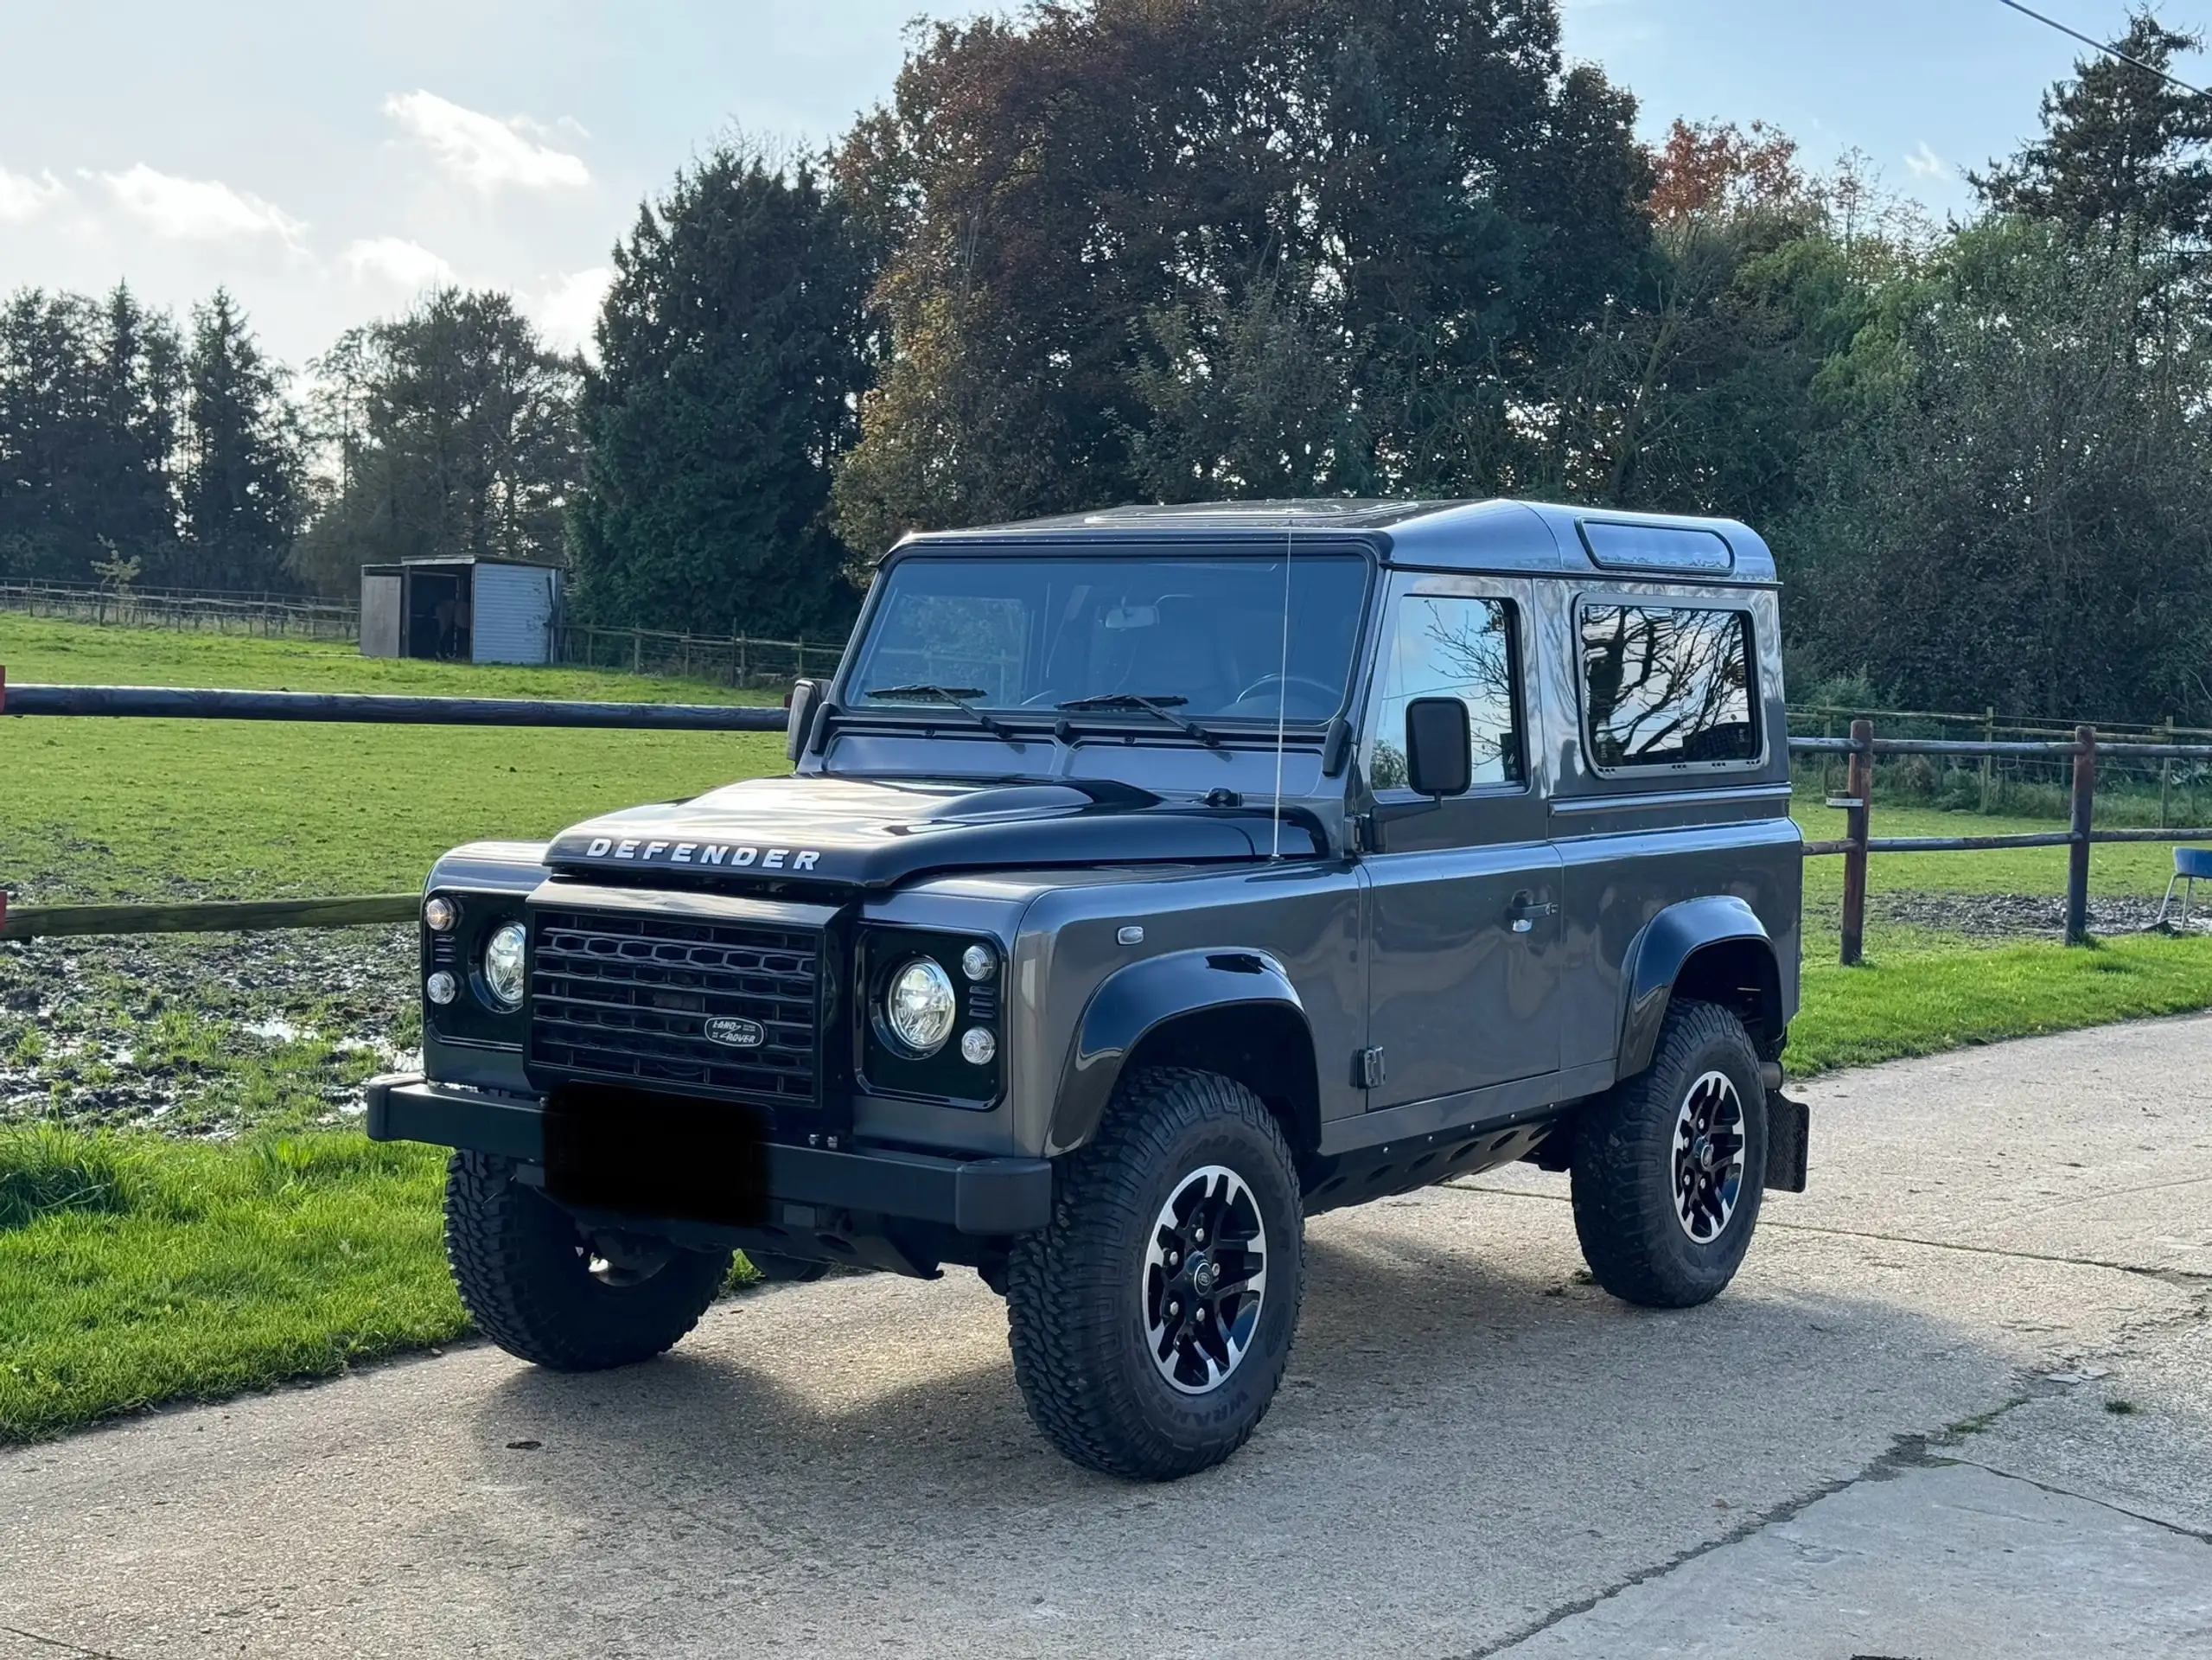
(1959, 1404)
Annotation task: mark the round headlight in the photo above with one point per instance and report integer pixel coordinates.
(919, 1007)
(503, 965)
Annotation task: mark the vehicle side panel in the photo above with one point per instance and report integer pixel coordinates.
(1636, 842)
(1303, 916)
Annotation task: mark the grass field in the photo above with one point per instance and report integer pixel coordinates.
(241, 1236)
(93, 809)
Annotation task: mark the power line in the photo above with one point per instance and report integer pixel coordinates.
(2109, 51)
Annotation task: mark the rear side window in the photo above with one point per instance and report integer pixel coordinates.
(1668, 686)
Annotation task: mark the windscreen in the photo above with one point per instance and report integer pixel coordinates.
(1203, 635)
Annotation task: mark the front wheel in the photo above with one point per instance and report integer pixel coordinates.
(1151, 1320)
(545, 1291)
(1670, 1166)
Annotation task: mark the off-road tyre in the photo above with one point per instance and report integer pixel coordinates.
(1628, 1203)
(524, 1271)
(1076, 1292)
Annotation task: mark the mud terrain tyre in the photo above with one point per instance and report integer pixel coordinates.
(535, 1285)
(1151, 1320)
(1670, 1165)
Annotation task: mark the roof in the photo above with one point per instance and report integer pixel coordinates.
(389, 568)
(1504, 536)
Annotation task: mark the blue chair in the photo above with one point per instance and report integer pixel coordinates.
(2190, 865)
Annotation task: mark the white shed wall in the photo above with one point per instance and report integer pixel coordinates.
(512, 613)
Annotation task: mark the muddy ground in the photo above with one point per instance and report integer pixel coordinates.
(203, 1034)
(211, 1035)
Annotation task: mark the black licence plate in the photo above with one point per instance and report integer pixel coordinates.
(647, 1155)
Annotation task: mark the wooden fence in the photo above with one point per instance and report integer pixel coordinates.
(734, 659)
(195, 610)
(1859, 751)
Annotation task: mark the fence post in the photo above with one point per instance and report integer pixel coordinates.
(637, 651)
(1859, 789)
(2166, 779)
(1988, 762)
(2078, 862)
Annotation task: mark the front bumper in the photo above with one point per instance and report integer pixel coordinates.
(986, 1197)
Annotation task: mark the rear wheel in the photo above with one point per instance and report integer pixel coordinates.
(542, 1289)
(1150, 1322)
(1670, 1166)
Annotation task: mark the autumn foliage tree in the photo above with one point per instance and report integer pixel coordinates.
(1138, 246)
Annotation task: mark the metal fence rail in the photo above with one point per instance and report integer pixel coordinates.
(180, 703)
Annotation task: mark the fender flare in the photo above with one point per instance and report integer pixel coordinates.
(1133, 1002)
(1657, 956)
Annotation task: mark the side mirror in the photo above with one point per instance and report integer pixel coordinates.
(804, 699)
(1439, 747)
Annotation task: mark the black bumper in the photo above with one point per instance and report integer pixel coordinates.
(975, 1195)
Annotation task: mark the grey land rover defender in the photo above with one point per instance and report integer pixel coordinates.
(1150, 881)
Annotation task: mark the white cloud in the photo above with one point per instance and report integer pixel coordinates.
(568, 310)
(1925, 164)
(395, 261)
(199, 210)
(23, 198)
(481, 149)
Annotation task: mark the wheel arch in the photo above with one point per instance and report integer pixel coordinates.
(1714, 949)
(1230, 1011)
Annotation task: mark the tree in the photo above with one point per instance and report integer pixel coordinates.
(2017, 506)
(1104, 211)
(2123, 149)
(734, 347)
(243, 457)
(447, 432)
(89, 407)
(1694, 391)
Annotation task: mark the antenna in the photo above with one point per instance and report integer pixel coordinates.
(1282, 690)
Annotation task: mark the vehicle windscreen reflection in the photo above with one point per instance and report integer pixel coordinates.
(1201, 637)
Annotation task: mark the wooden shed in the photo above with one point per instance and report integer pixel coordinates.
(466, 611)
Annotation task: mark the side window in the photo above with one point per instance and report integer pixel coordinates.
(1445, 645)
(1668, 685)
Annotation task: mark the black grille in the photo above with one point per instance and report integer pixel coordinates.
(618, 995)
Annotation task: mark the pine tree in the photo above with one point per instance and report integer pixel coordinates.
(733, 349)
(90, 394)
(243, 457)
(2122, 147)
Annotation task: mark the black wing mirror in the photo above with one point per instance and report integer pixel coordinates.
(804, 700)
(1439, 747)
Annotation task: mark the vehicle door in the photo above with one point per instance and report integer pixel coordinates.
(1463, 918)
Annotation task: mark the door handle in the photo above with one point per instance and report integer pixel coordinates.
(1526, 909)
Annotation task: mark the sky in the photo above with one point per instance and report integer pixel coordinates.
(328, 162)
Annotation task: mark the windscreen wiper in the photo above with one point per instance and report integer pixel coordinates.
(958, 696)
(1163, 707)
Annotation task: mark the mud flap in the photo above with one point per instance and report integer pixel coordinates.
(1789, 1131)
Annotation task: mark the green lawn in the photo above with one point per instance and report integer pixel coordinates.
(97, 808)
(140, 1267)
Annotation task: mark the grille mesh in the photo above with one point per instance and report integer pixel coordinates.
(618, 995)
